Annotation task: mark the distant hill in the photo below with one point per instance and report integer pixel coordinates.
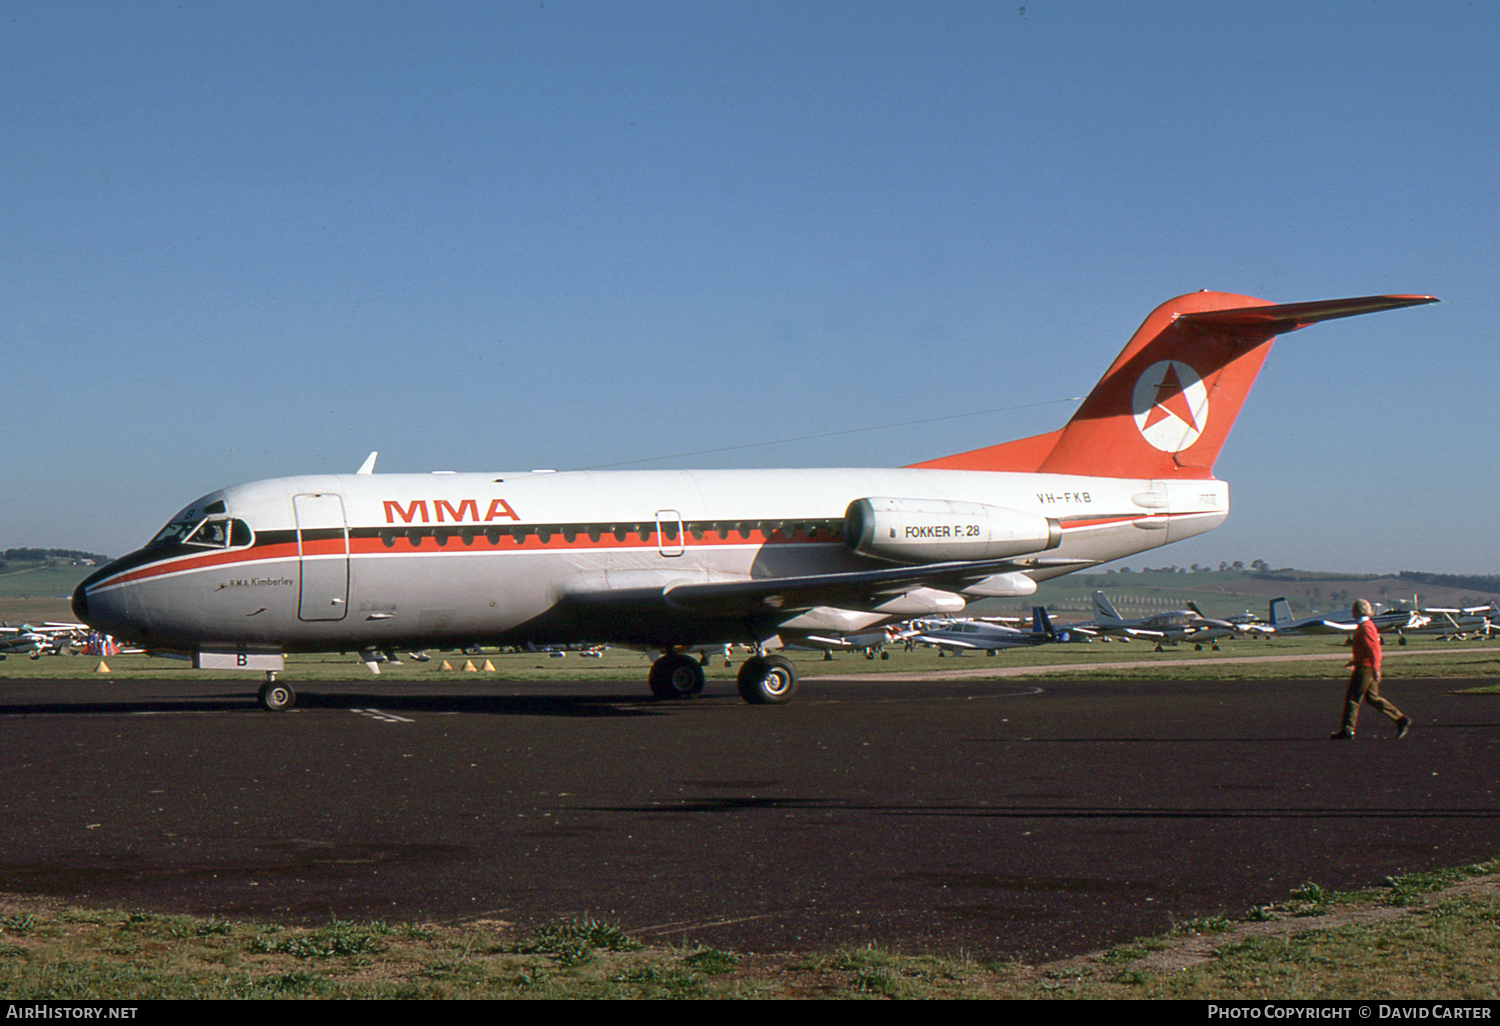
(1489, 583)
(50, 556)
(1224, 592)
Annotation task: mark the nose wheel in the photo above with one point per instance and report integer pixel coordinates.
(275, 696)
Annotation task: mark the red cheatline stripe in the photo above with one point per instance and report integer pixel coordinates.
(401, 544)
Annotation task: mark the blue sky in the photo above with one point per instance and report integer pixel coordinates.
(246, 240)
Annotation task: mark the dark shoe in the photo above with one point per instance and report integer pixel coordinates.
(1402, 726)
(1341, 735)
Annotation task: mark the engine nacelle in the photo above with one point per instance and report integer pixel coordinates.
(942, 530)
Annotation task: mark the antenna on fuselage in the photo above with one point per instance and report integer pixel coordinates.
(368, 466)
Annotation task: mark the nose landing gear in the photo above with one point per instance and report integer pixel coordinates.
(275, 696)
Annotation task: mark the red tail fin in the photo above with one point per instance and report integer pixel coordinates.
(1165, 406)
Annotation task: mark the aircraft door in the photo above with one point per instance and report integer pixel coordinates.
(322, 556)
(669, 533)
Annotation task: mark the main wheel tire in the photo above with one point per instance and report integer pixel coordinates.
(767, 680)
(676, 676)
(277, 697)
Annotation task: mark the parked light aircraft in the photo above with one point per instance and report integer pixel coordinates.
(1282, 621)
(36, 641)
(23, 639)
(1454, 623)
(671, 559)
(1165, 628)
(872, 643)
(959, 635)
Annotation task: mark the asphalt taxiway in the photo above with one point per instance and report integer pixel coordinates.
(1013, 818)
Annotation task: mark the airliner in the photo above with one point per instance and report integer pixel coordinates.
(671, 559)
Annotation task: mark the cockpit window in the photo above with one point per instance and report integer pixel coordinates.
(214, 533)
(211, 533)
(174, 533)
(220, 533)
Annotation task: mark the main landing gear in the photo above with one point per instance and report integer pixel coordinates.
(675, 675)
(762, 680)
(767, 680)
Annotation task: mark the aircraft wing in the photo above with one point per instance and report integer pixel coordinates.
(1145, 632)
(838, 642)
(976, 644)
(1319, 627)
(857, 588)
(14, 640)
(752, 596)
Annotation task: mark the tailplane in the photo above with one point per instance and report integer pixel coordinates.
(1281, 612)
(1165, 406)
(1104, 609)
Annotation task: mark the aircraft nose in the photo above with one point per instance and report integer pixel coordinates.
(100, 612)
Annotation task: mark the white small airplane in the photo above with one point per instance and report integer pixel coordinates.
(22, 640)
(872, 643)
(37, 641)
(1165, 628)
(961, 635)
(676, 558)
(1282, 621)
(1454, 623)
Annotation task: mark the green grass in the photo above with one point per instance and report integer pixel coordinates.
(28, 588)
(1319, 657)
(1436, 943)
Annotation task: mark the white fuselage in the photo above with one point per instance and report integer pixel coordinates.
(346, 562)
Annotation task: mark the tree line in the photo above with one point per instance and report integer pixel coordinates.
(48, 555)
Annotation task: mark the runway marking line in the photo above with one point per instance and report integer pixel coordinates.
(383, 717)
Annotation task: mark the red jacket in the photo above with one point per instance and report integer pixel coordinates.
(1366, 642)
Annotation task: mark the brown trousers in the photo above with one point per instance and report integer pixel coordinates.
(1365, 687)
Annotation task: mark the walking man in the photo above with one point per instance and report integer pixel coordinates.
(1364, 681)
